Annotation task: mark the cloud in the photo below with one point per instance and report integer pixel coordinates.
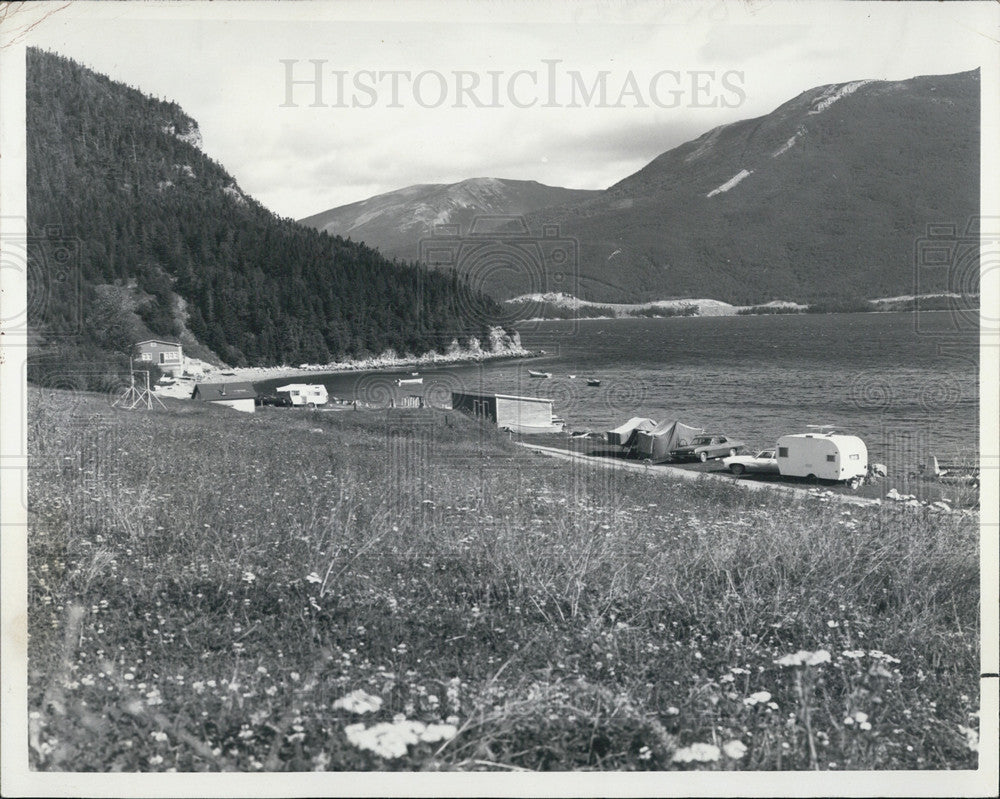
(224, 67)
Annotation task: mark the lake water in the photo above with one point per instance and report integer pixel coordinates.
(906, 383)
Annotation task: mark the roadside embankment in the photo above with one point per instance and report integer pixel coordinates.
(673, 473)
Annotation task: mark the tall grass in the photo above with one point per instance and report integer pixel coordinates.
(210, 590)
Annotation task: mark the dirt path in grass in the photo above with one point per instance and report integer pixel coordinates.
(683, 474)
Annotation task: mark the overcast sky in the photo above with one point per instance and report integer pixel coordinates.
(671, 71)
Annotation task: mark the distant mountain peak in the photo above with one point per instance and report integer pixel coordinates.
(396, 221)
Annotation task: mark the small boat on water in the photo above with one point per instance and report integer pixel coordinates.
(593, 381)
(572, 377)
(532, 373)
(409, 381)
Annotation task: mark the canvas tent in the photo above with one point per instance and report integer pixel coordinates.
(657, 444)
(623, 434)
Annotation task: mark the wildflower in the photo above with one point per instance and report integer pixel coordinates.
(855, 654)
(359, 702)
(249, 577)
(155, 760)
(313, 577)
(438, 732)
(697, 753)
(805, 658)
(393, 740)
(156, 735)
(879, 655)
(295, 676)
(645, 753)
(734, 750)
(758, 698)
(672, 711)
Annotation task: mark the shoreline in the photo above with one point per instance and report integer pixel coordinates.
(261, 374)
(736, 315)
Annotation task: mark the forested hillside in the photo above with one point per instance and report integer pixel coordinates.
(135, 230)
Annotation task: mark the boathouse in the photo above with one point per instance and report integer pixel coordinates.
(524, 415)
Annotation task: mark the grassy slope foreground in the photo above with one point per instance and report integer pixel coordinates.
(363, 590)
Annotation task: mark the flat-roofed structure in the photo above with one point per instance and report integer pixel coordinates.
(525, 415)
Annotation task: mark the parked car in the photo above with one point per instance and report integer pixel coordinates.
(707, 446)
(274, 399)
(764, 461)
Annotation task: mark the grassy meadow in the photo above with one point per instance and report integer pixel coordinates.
(408, 590)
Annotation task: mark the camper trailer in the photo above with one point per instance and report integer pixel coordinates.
(827, 456)
(304, 394)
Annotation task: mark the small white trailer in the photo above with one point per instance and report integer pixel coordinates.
(305, 394)
(826, 456)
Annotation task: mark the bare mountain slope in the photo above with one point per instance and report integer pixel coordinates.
(395, 222)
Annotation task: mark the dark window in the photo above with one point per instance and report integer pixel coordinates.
(782, 452)
(831, 458)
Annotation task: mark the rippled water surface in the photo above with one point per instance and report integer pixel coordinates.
(906, 383)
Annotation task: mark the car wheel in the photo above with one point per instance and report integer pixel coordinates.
(732, 452)
(737, 469)
(703, 456)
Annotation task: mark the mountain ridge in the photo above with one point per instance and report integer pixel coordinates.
(398, 219)
(823, 198)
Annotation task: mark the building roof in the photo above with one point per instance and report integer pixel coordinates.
(158, 341)
(221, 392)
(505, 396)
(300, 387)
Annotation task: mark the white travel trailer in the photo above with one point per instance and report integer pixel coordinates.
(304, 394)
(827, 456)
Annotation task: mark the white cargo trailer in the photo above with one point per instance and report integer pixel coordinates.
(305, 394)
(826, 456)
